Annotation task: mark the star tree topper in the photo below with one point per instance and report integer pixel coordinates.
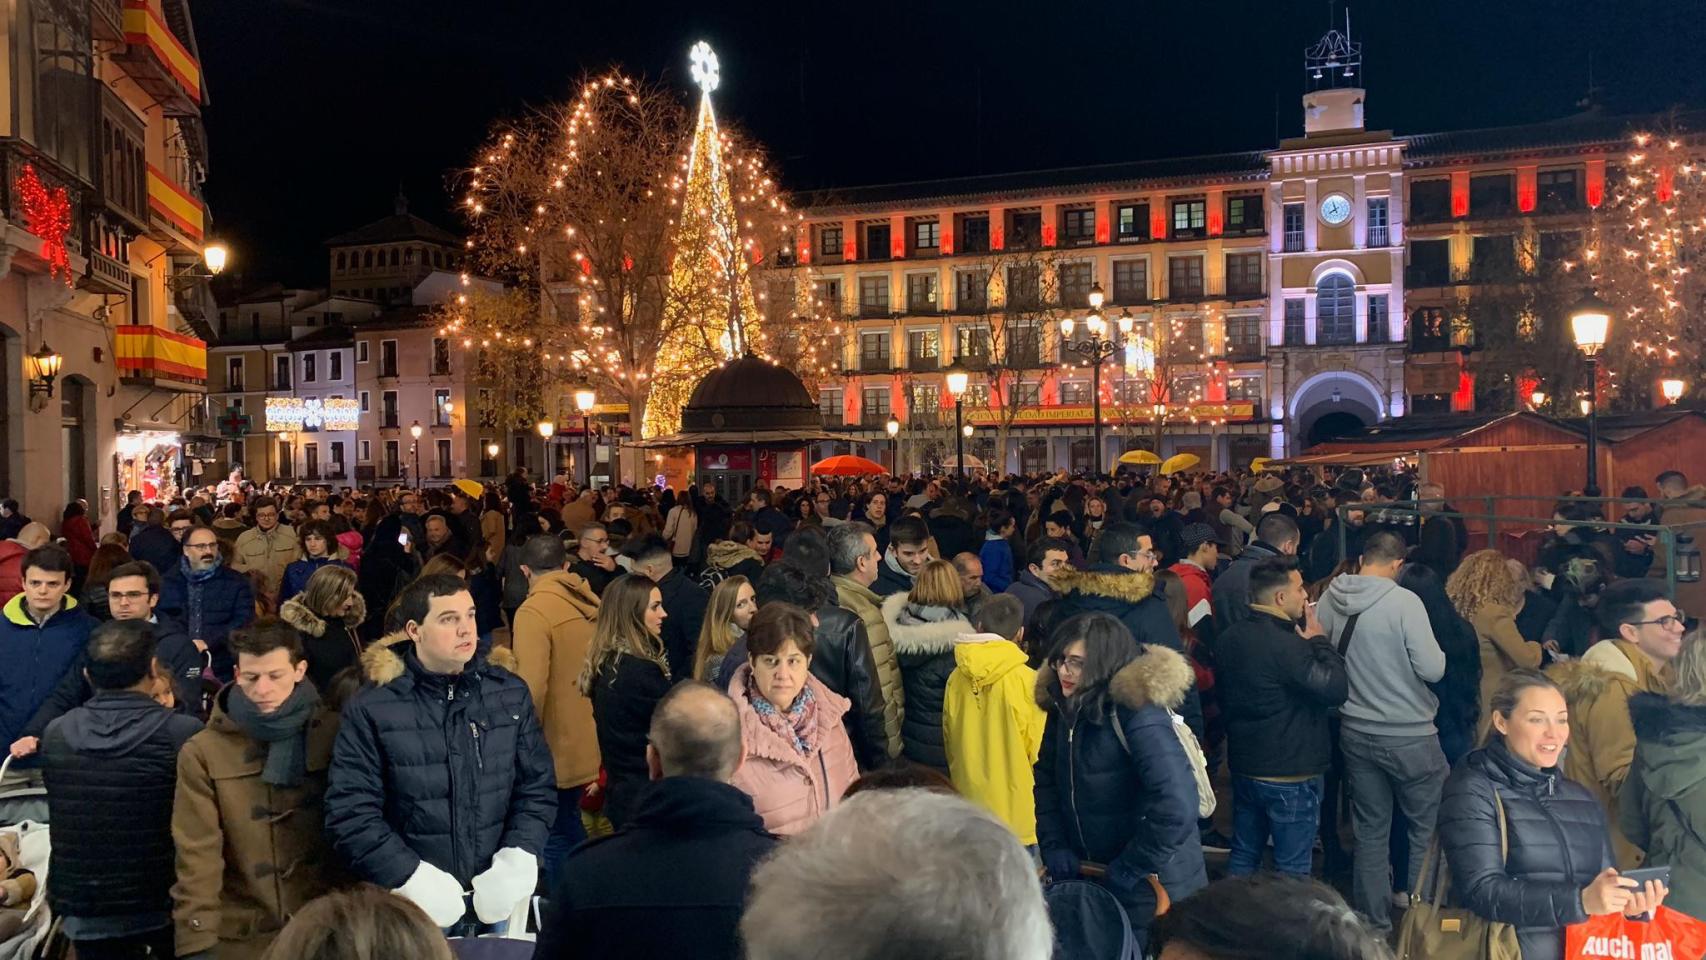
(705, 72)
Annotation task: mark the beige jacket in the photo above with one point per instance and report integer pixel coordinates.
(868, 607)
(266, 553)
(550, 638)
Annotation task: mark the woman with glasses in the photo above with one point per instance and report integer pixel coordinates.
(1114, 786)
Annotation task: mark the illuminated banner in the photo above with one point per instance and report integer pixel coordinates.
(1137, 413)
(295, 413)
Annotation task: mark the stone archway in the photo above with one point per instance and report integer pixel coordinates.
(1333, 399)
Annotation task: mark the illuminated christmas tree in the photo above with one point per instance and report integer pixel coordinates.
(716, 316)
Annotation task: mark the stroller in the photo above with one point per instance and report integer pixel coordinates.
(1089, 922)
(23, 816)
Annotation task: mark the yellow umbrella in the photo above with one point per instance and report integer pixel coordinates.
(1140, 458)
(1179, 462)
(1258, 464)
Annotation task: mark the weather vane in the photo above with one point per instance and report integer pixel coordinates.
(705, 72)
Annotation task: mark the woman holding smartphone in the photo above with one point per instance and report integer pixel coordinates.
(1557, 866)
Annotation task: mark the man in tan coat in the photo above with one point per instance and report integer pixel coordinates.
(551, 636)
(267, 547)
(247, 817)
(1644, 634)
(1684, 504)
(853, 559)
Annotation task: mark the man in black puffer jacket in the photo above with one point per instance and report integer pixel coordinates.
(440, 779)
(1119, 581)
(1276, 536)
(111, 768)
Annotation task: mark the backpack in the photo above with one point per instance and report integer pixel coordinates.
(1193, 756)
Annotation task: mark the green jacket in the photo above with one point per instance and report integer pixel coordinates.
(1663, 805)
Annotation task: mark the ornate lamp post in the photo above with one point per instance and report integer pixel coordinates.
(1671, 388)
(1095, 348)
(893, 427)
(1589, 321)
(585, 399)
(959, 378)
(414, 431)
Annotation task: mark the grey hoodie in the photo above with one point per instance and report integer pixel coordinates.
(1392, 658)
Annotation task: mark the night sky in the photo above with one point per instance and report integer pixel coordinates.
(320, 108)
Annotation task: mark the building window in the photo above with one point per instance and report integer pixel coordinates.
(443, 451)
(1075, 281)
(1243, 338)
(389, 415)
(977, 396)
(234, 373)
(1335, 309)
(1378, 235)
(308, 370)
(393, 465)
(1024, 345)
(1131, 281)
(1492, 194)
(1190, 217)
(366, 448)
(923, 349)
(829, 242)
(440, 357)
(396, 256)
(1294, 334)
(342, 257)
(361, 351)
(876, 410)
(829, 404)
(335, 360)
(440, 408)
(827, 293)
(311, 460)
(1293, 227)
(1493, 257)
(873, 296)
(876, 241)
(1244, 274)
(1244, 389)
(1430, 263)
(1184, 277)
(1074, 392)
(366, 401)
(1027, 230)
(281, 373)
(1558, 190)
(239, 453)
(1430, 201)
(1024, 287)
(973, 344)
(1133, 222)
(1244, 214)
(971, 289)
(921, 292)
(286, 459)
(926, 235)
(1559, 246)
(874, 352)
(387, 358)
(1377, 318)
(367, 258)
(974, 235)
(1023, 393)
(337, 456)
(925, 399)
(1080, 225)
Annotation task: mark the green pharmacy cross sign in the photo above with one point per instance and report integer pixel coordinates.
(235, 423)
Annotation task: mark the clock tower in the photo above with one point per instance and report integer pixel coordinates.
(1335, 264)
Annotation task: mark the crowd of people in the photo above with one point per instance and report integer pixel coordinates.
(868, 706)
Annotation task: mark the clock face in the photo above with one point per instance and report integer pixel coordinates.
(1336, 209)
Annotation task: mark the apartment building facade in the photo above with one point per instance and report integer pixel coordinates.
(1273, 298)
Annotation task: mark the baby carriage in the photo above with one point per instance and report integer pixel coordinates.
(23, 816)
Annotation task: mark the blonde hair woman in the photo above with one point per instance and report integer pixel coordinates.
(1485, 594)
(327, 615)
(364, 922)
(625, 677)
(727, 617)
(1662, 808)
(923, 623)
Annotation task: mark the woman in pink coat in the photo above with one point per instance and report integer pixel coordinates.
(798, 760)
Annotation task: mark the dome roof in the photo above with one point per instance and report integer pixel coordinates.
(750, 394)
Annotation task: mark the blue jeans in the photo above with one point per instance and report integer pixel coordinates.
(567, 832)
(1288, 812)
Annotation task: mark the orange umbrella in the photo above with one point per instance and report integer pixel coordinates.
(847, 466)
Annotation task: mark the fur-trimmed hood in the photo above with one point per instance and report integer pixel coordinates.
(1672, 739)
(1159, 675)
(382, 662)
(722, 554)
(1105, 580)
(915, 637)
(1605, 663)
(297, 614)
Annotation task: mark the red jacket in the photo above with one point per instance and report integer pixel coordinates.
(11, 569)
(79, 540)
(1198, 585)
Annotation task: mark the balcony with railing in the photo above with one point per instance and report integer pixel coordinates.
(156, 57)
(923, 363)
(175, 210)
(1379, 237)
(875, 363)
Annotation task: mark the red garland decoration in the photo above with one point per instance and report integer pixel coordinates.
(47, 214)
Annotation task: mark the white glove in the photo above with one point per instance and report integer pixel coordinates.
(508, 881)
(436, 892)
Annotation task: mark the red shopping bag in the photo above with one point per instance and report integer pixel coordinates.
(1668, 936)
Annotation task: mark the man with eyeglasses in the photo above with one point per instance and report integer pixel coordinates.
(593, 562)
(208, 598)
(133, 590)
(1643, 633)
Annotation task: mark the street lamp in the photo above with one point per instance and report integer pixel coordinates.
(1537, 399)
(959, 378)
(214, 255)
(1095, 348)
(546, 428)
(893, 427)
(585, 399)
(1589, 321)
(492, 455)
(414, 431)
(1671, 387)
(44, 364)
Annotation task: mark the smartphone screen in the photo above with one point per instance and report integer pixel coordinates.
(403, 538)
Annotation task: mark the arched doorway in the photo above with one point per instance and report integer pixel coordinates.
(1333, 425)
(1332, 404)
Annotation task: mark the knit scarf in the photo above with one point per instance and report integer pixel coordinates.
(284, 731)
(194, 580)
(797, 724)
